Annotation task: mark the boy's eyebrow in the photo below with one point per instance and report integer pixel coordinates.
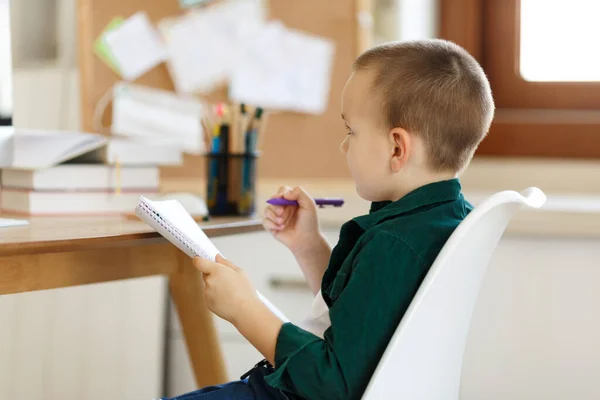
(344, 117)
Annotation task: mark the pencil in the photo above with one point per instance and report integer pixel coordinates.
(234, 130)
(206, 134)
(216, 142)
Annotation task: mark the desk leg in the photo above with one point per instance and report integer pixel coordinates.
(187, 291)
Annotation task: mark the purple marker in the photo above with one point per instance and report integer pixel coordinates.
(322, 202)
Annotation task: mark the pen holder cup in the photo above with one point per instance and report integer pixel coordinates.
(231, 184)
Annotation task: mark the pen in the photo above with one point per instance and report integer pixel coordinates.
(214, 162)
(243, 125)
(321, 202)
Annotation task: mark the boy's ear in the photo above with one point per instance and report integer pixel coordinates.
(401, 148)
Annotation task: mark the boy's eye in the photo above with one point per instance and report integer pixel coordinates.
(348, 130)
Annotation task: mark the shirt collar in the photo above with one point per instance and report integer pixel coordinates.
(428, 195)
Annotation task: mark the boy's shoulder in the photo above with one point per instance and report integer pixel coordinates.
(424, 231)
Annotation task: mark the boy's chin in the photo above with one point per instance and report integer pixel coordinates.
(369, 195)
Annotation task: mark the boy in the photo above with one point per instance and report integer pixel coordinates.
(415, 112)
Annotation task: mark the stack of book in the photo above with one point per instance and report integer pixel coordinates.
(70, 173)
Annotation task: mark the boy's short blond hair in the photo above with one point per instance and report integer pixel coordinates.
(434, 89)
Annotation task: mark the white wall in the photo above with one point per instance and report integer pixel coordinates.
(94, 342)
(5, 61)
(45, 77)
(535, 333)
(46, 97)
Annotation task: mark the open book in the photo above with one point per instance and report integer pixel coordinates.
(174, 223)
(39, 149)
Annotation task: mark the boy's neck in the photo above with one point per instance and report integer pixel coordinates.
(419, 180)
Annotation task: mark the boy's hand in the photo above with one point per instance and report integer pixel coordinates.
(227, 288)
(294, 226)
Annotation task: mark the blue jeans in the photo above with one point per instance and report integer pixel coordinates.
(253, 388)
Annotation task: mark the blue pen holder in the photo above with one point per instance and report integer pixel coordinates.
(231, 184)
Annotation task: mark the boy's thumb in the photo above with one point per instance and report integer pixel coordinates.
(223, 261)
(304, 200)
(203, 265)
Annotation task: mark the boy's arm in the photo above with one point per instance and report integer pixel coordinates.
(314, 262)
(297, 227)
(230, 294)
(260, 327)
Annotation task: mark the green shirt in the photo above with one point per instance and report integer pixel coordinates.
(373, 274)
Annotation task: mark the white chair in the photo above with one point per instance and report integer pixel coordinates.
(423, 360)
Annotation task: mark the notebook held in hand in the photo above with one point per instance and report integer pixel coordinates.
(174, 223)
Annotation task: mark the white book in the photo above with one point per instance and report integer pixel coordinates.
(67, 203)
(145, 113)
(37, 149)
(170, 219)
(83, 177)
(136, 152)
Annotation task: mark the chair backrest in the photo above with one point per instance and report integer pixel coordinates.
(424, 357)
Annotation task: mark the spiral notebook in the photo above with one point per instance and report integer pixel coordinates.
(170, 219)
(174, 223)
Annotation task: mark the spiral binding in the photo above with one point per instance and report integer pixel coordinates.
(143, 206)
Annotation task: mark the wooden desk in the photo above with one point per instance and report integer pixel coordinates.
(60, 252)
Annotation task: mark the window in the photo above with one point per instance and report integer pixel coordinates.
(5, 65)
(544, 67)
(559, 40)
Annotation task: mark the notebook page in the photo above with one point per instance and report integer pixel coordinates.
(178, 217)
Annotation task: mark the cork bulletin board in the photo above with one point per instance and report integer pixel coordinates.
(296, 145)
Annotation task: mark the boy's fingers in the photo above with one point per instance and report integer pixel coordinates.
(207, 279)
(223, 261)
(281, 191)
(304, 200)
(270, 214)
(288, 214)
(271, 226)
(278, 210)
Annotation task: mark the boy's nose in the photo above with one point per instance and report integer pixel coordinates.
(344, 146)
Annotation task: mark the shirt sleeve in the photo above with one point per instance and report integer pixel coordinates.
(386, 275)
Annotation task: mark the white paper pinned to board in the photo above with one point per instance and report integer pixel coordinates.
(136, 46)
(285, 69)
(204, 45)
